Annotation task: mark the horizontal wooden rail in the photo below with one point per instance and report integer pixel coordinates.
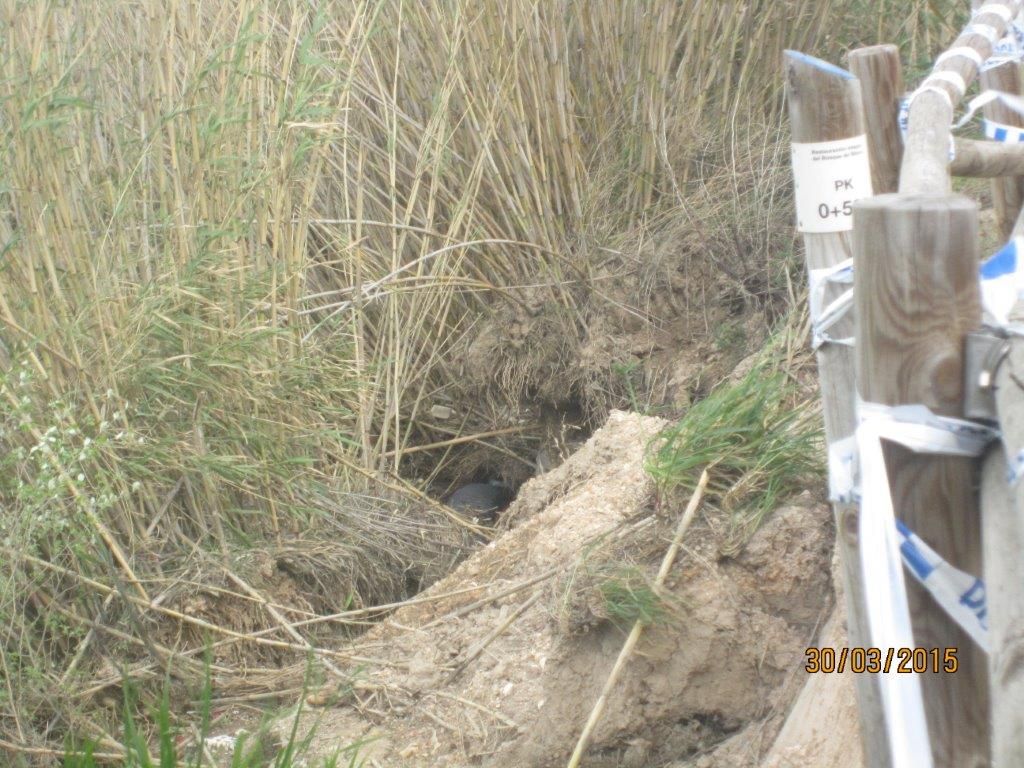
(987, 159)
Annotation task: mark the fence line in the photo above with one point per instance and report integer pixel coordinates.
(915, 250)
(925, 166)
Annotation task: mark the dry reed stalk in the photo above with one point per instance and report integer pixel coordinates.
(190, 620)
(634, 635)
(494, 634)
(185, 195)
(286, 625)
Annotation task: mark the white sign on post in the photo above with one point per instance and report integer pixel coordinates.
(830, 176)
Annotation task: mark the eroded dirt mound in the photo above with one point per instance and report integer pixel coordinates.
(495, 667)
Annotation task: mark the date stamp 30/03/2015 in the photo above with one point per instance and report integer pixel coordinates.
(873, 660)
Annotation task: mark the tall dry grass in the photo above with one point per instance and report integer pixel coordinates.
(240, 243)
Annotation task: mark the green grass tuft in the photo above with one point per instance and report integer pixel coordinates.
(760, 440)
(629, 598)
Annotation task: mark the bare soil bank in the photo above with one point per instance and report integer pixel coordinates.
(458, 681)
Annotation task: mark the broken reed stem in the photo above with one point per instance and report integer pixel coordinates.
(6, 746)
(466, 609)
(474, 652)
(186, 619)
(477, 706)
(634, 635)
(285, 624)
(97, 624)
(337, 617)
(403, 487)
(458, 440)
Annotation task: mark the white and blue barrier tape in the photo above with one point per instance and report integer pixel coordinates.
(992, 129)
(1002, 285)
(857, 474)
(1008, 48)
(823, 316)
(1007, 134)
(885, 589)
(961, 595)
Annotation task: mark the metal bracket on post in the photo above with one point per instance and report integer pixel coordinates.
(984, 352)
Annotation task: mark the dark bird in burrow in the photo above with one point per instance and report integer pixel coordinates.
(484, 501)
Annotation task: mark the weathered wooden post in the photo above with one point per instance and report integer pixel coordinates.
(1002, 505)
(1007, 192)
(1003, 538)
(881, 85)
(917, 297)
(825, 106)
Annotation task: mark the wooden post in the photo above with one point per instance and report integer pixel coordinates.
(825, 105)
(881, 84)
(1002, 513)
(1002, 516)
(1003, 538)
(1007, 193)
(1018, 228)
(917, 296)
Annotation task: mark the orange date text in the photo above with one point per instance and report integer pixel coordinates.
(874, 660)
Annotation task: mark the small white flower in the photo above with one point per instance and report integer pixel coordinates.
(88, 442)
(81, 477)
(136, 486)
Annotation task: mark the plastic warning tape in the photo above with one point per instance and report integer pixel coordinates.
(858, 474)
(961, 595)
(824, 316)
